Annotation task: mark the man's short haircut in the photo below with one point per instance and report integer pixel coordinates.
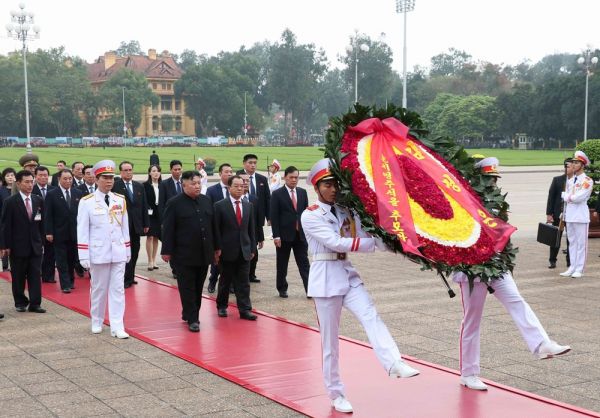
(64, 170)
(85, 167)
(174, 163)
(289, 170)
(41, 168)
(222, 166)
(190, 174)
(125, 162)
(61, 161)
(230, 181)
(249, 156)
(75, 163)
(23, 173)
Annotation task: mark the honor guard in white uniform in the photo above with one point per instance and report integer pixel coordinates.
(577, 214)
(200, 164)
(104, 249)
(506, 291)
(274, 176)
(332, 233)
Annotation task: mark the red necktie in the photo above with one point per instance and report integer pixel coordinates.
(28, 208)
(238, 212)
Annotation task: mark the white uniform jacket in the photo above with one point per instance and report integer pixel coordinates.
(328, 234)
(103, 231)
(579, 190)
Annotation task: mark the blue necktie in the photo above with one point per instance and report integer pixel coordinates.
(129, 191)
(178, 187)
(252, 188)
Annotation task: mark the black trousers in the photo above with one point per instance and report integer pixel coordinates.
(26, 270)
(190, 281)
(135, 251)
(300, 249)
(252, 271)
(554, 251)
(65, 254)
(4, 263)
(48, 262)
(235, 272)
(214, 274)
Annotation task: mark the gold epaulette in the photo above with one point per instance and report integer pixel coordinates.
(87, 196)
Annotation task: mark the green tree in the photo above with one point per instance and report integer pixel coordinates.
(137, 95)
(129, 48)
(454, 62)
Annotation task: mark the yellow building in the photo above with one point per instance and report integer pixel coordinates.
(168, 117)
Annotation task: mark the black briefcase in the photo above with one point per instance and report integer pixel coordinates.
(549, 234)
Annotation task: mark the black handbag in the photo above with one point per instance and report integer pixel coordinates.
(549, 234)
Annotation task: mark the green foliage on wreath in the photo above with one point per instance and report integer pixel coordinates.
(490, 195)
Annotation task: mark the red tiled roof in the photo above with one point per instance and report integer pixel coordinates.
(161, 67)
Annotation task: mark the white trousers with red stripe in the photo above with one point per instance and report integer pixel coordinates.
(329, 311)
(108, 281)
(578, 239)
(507, 293)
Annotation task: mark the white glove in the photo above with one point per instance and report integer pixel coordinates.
(128, 259)
(563, 195)
(381, 246)
(85, 264)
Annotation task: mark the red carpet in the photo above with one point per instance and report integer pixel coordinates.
(281, 360)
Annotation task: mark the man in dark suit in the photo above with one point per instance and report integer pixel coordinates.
(77, 171)
(171, 186)
(60, 165)
(60, 224)
(154, 160)
(554, 208)
(259, 187)
(234, 242)
(137, 211)
(41, 188)
(89, 181)
(187, 242)
(21, 233)
(287, 205)
(218, 192)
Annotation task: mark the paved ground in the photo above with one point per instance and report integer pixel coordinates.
(50, 365)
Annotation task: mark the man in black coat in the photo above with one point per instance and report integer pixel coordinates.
(60, 225)
(137, 212)
(60, 164)
(154, 160)
(188, 243)
(234, 243)
(21, 230)
(89, 181)
(259, 187)
(554, 208)
(287, 205)
(171, 186)
(218, 192)
(41, 188)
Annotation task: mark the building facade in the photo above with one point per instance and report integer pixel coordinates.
(167, 118)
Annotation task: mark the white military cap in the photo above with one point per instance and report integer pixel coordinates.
(276, 164)
(320, 171)
(580, 156)
(489, 166)
(104, 168)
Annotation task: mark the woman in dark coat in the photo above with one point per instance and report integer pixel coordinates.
(153, 235)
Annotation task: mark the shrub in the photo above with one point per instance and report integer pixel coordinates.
(591, 147)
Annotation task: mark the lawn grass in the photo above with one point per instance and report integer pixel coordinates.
(301, 157)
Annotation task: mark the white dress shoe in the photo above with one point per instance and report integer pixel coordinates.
(567, 273)
(472, 382)
(549, 349)
(577, 275)
(401, 369)
(96, 330)
(341, 404)
(119, 334)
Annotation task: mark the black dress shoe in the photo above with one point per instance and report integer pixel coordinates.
(247, 315)
(127, 285)
(1, 316)
(36, 309)
(283, 294)
(211, 288)
(194, 327)
(20, 308)
(552, 265)
(222, 313)
(254, 280)
(67, 290)
(134, 282)
(155, 268)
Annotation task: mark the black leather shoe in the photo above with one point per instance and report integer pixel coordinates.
(194, 327)
(67, 290)
(20, 308)
(127, 285)
(552, 265)
(211, 288)
(254, 280)
(283, 294)
(1, 316)
(247, 315)
(134, 282)
(36, 309)
(222, 313)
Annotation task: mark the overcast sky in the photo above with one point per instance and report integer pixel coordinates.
(506, 31)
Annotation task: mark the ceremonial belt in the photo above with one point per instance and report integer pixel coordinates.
(329, 256)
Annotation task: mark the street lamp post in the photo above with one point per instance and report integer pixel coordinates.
(21, 29)
(355, 47)
(124, 121)
(588, 63)
(404, 6)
